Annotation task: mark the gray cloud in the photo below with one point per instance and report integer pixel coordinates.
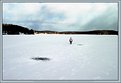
(62, 17)
(106, 21)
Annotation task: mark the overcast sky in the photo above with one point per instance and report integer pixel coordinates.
(62, 16)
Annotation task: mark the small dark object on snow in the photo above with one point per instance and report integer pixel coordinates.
(79, 44)
(41, 58)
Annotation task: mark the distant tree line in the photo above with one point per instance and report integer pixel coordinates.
(15, 29)
(97, 32)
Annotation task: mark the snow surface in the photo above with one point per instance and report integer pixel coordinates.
(90, 57)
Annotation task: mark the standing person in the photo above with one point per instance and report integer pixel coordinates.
(70, 40)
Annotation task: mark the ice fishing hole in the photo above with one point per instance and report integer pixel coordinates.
(41, 58)
(79, 44)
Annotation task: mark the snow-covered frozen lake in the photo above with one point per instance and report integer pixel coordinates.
(90, 57)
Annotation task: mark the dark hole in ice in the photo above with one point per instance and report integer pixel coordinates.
(79, 44)
(41, 58)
